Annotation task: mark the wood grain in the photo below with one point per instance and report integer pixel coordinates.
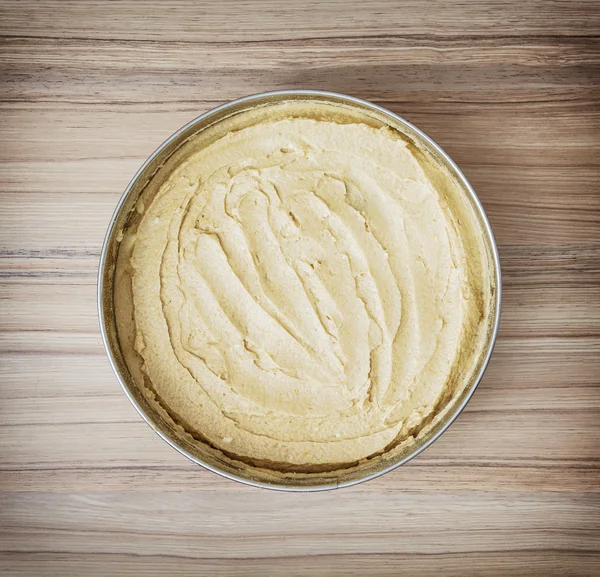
(510, 89)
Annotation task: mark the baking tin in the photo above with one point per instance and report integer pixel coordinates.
(209, 458)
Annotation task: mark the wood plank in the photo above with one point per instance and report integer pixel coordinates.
(193, 524)
(539, 563)
(76, 53)
(109, 405)
(398, 80)
(535, 436)
(514, 366)
(528, 310)
(233, 22)
(420, 475)
(516, 221)
(500, 135)
(51, 342)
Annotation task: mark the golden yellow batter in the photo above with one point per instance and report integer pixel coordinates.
(296, 293)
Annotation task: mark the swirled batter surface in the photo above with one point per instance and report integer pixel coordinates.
(298, 293)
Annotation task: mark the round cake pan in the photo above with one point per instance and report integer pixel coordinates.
(208, 457)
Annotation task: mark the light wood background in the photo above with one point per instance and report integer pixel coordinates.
(510, 89)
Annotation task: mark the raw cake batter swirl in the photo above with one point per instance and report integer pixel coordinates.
(298, 293)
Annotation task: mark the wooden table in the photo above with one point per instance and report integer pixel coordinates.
(509, 89)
